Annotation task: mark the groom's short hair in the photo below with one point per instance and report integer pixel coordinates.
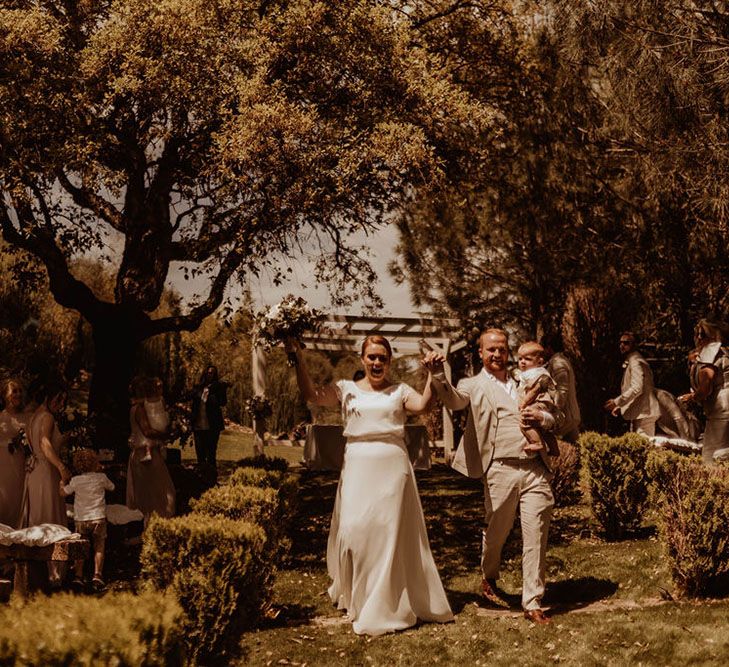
(494, 332)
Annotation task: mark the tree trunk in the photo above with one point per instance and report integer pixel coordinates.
(117, 336)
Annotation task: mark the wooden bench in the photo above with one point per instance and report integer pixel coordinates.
(23, 556)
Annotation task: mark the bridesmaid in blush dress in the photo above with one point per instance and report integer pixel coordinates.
(43, 502)
(378, 555)
(12, 458)
(149, 485)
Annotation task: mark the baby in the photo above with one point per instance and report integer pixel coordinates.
(536, 387)
(89, 506)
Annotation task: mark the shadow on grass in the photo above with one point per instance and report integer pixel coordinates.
(289, 615)
(570, 594)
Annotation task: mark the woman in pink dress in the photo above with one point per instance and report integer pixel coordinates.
(378, 555)
(43, 502)
(149, 485)
(13, 418)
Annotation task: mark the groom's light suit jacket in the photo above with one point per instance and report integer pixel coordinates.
(476, 449)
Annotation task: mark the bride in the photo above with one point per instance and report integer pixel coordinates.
(378, 556)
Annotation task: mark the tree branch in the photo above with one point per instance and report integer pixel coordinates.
(93, 202)
(194, 318)
(66, 289)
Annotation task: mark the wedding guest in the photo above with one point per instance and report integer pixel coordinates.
(149, 485)
(89, 486)
(209, 396)
(710, 388)
(13, 419)
(378, 555)
(637, 401)
(42, 502)
(493, 450)
(560, 368)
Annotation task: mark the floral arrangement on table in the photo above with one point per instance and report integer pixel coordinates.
(290, 318)
(259, 406)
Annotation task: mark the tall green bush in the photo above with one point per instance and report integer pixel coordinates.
(118, 629)
(693, 503)
(218, 570)
(285, 483)
(616, 475)
(253, 504)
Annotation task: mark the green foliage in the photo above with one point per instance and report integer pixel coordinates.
(270, 463)
(217, 569)
(116, 629)
(261, 506)
(285, 484)
(566, 481)
(693, 502)
(615, 471)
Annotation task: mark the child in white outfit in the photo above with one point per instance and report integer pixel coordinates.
(536, 387)
(89, 507)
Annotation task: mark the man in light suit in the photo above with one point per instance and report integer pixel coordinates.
(492, 449)
(637, 401)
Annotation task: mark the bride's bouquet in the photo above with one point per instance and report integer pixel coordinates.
(290, 318)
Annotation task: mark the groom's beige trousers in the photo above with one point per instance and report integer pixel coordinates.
(522, 483)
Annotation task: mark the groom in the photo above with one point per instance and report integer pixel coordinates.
(492, 449)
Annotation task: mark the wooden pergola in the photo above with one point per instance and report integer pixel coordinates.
(346, 333)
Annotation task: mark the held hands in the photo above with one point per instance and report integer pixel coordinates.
(611, 406)
(433, 361)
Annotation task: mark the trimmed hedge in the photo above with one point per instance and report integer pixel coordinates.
(117, 629)
(253, 504)
(265, 462)
(285, 483)
(615, 471)
(693, 502)
(566, 480)
(218, 570)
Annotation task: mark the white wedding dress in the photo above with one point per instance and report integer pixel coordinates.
(378, 556)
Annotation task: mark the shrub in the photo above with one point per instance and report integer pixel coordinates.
(566, 480)
(217, 569)
(285, 483)
(693, 503)
(254, 505)
(615, 469)
(117, 629)
(265, 462)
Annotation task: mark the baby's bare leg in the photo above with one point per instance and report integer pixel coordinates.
(534, 439)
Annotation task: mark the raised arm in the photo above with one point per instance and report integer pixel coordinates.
(450, 396)
(417, 403)
(325, 396)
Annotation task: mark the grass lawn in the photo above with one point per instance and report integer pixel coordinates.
(606, 598)
(235, 445)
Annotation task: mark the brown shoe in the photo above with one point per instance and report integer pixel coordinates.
(536, 616)
(488, 590)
